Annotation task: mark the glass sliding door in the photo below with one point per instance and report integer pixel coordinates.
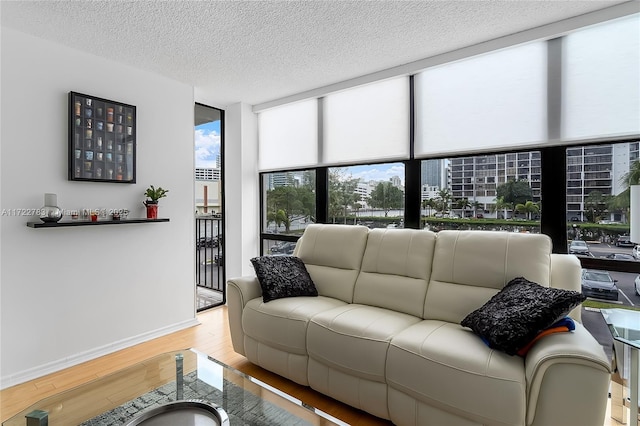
(209, 207)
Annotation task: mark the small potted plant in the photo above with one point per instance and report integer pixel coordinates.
(153, 195)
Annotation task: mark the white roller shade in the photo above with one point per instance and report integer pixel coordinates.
(369, 122)
(491, 101)
(601, 81)
(288, 136)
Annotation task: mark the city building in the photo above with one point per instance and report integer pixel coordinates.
(284, 179)
(208, 173)
(434, 173)
(600, 168)
(477, 178)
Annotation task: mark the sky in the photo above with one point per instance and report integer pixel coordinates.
(207, 138)
(377, 172)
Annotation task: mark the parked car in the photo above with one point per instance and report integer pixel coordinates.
(624, 241)
(636, 252)
(217, 258)
(578, 247)
(620, 256)
(283, 248)
(637, 285)
(599, 285)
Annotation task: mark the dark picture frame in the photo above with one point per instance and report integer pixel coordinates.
(102, 140)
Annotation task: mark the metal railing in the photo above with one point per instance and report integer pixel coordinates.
(210, 256)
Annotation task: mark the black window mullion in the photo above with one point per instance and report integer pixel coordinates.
(322, 194)
(412, 193)
(553, 220)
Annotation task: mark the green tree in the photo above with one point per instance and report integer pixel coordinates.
(463, 204)
(503, 205)
(385, 196)
(632, 177)
(528, 208)
(514, 191)
(278, 218)
(622, 201)
(476, 205)
(595, 205)
(443, 200)
(342, 193)
(289, 202)
(428, 204)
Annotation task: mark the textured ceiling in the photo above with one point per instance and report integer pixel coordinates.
(257, 51)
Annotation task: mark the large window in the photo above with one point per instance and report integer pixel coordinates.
(371, 195)
(531, 138)
(289, 201)
(492, 192)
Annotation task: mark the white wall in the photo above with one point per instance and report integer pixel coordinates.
(71, 294)
(241, 184)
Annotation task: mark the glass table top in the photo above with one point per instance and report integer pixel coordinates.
(117, 398)
(624, 325)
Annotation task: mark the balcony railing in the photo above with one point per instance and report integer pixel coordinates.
(210, 276)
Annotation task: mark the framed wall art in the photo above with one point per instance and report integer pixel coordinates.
(102, 140)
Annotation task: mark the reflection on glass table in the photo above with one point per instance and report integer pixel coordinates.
(624, 325)
(182, 376)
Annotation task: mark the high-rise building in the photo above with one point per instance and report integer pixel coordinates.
(477, 178)
(207, 174)
(432, 173)
(284, 179)
(597, 168)
(397, 182)
(589, 168)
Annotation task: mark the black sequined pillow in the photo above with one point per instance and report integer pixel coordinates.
(522, 309)
(283, 276)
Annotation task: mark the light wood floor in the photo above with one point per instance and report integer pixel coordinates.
(211, 337)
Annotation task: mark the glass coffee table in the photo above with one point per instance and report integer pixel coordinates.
(167, 382)
(624, 325)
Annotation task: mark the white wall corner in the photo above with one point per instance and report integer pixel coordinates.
(242, 206)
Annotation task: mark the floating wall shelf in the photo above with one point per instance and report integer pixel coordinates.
(89, 223)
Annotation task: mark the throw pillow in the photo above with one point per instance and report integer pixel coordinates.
(519, 312)
(283, 276)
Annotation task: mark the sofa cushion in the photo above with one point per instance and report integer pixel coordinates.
(283, 276)
(333, 256)
(361, 332)
(395, 270)
(471, 266)
(282, 323)
(446, 366)
(519, 312)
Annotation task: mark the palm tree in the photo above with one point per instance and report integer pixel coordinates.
(503, 205)
(476, 206)
(443, 200)
(428, 204)
(632, 177)
(528, 208)
(463, 204)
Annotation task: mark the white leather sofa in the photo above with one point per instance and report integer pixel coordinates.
(384, 334)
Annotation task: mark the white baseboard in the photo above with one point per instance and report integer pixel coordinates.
(70, 361)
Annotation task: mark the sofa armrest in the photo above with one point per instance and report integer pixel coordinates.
(567, 377)
(239, 291)
(566, 274)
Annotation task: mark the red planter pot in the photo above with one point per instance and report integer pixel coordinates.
(152, 211)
